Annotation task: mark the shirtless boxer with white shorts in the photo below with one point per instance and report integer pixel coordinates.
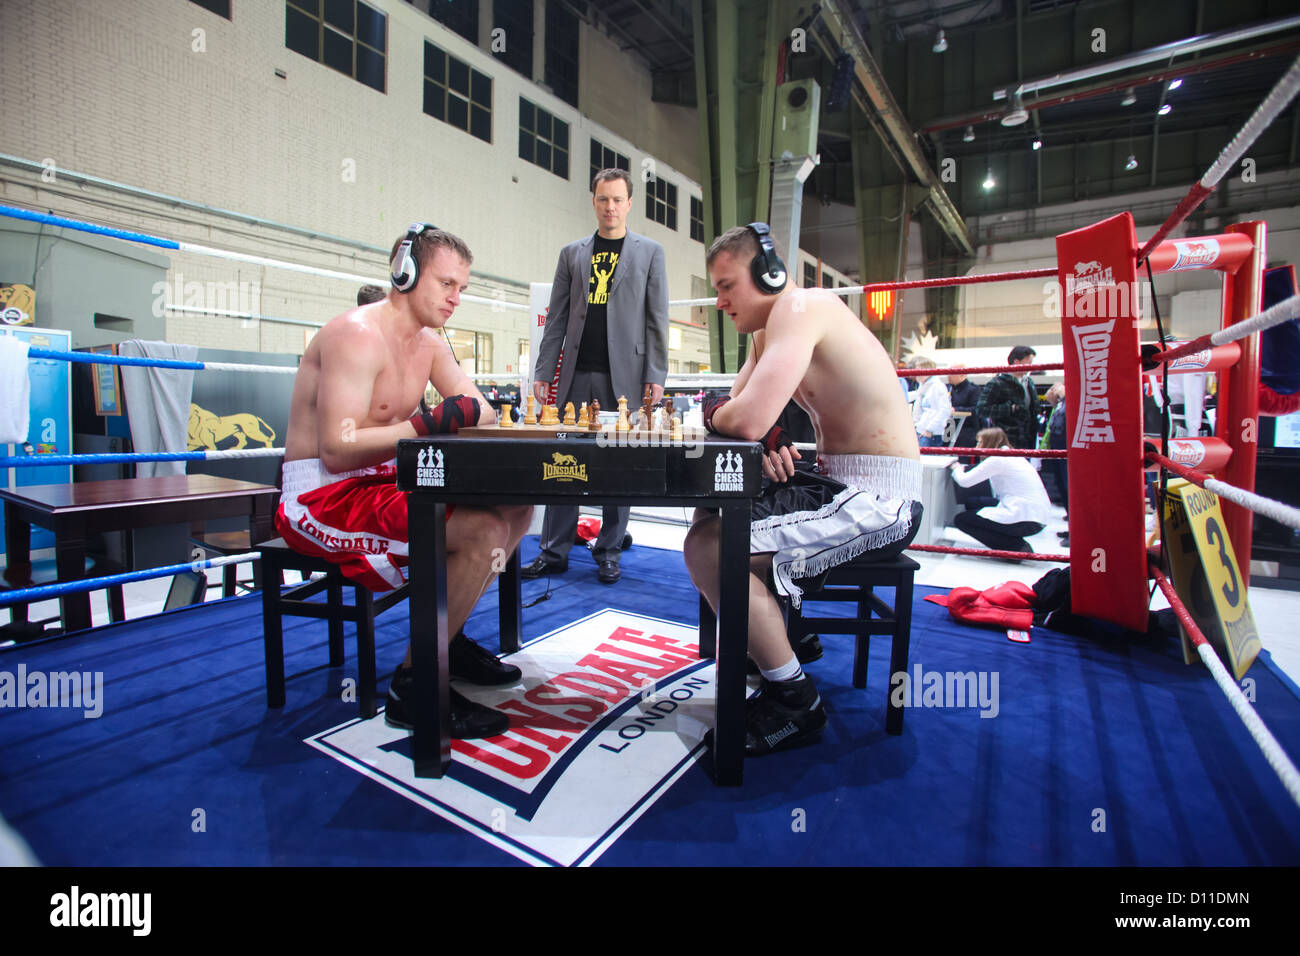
(864, 496)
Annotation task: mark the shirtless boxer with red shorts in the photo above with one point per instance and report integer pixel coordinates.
(360, 388)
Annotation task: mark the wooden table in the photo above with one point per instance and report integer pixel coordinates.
(579, 469)
(75, 512)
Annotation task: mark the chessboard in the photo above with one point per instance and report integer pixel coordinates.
(650, 423)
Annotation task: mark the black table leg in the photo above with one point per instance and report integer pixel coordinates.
(509, 597)
(732, 644)
(431, 740)
(18, 559)
(70, 559)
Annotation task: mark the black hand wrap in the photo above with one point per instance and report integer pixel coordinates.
(776, 439)
(448, 417)
(711, 405)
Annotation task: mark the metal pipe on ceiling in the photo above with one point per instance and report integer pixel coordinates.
(1154, 54)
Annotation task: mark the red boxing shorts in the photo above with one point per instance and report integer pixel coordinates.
(356, 520)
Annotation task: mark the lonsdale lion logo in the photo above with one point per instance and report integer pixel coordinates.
(219, 432)
(563, 468)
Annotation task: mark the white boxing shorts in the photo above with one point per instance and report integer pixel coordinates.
(862, 504)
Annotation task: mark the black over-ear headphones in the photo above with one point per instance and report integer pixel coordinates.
(404, 270)
(767, 268)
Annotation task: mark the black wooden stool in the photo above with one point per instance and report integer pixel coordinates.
(278, 557)
(856, 581)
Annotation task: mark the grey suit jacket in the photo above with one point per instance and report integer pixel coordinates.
(637, 313)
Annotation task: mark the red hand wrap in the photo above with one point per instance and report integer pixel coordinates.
(776, 439)
(448, 417)
(711, 405)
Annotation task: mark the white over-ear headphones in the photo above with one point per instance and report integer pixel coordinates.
(404, 271)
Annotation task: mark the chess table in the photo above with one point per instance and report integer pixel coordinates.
(494, 466)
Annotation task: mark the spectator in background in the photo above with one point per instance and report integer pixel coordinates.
(965, 395)
(1021, 507)
(931, 409)
(1054, 469)
(370, 293)
(1010, 403)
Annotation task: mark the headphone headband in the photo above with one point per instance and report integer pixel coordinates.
(404, 271)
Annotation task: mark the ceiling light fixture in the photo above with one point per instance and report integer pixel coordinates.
(1130, 97)
(1174, 84)
(940, 42)
(1036, 144)
(969, 135)
(1164, 109)
(989, 181)
(1015, 114)
(1132, 163)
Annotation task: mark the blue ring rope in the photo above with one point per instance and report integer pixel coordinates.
(52, 220)
(38, 461)
(97, 358)
(46, 591)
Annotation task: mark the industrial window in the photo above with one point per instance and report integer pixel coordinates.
(543, 139)
(661, 202)
(456, 93)
(809, 275)
(460, 16)
(220, 7)
(562, 51)
(514, 44)
(697, 219)
(602, 157)
(346, 35)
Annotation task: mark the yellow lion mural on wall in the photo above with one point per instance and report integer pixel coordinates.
(216, 432)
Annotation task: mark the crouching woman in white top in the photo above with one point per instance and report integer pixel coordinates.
(1022, 508)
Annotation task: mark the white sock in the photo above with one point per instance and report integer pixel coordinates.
(788, 671)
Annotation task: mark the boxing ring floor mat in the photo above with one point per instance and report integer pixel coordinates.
(1065, 751)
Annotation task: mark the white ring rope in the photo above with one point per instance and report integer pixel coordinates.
(245, 453)
(1277, 100)
(1264, 739)
(238, 367)
(1279, 512)
(1284, 311)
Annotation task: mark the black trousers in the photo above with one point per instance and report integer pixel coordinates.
(999, 537)
(561, 522)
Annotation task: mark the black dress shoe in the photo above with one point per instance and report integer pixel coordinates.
(542, 565)
(468, 661)
(608, 572)
(468, 720)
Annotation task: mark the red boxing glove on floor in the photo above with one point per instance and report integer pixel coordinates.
(448, 417)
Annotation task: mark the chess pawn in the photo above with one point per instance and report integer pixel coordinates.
(506, 418)
(530, 416)
(623, 424)
(677, 429)
(569, 417)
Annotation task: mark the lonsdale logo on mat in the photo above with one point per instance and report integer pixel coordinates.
(563, 468)
(610, 711)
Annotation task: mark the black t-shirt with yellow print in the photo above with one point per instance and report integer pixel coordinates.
(593, 352)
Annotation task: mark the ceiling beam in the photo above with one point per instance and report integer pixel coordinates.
(896, 132)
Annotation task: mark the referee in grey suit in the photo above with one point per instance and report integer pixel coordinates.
(607, 328)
